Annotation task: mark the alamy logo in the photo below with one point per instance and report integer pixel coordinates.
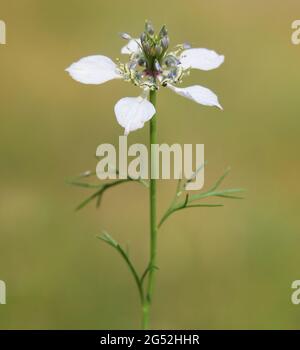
(138, 167)
(2, 292)
(296, 34)
(2, 32)
(296, 294)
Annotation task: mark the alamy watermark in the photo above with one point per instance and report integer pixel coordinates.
(138, 168)
(2, 33)
(296, 33)
(296, 293)
(2, 292)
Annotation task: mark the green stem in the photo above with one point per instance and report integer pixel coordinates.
(153, 221)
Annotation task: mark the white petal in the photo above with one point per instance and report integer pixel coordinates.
(132, 46)
(198, 94)
(94, 70)
(201, 59)
(133, 112)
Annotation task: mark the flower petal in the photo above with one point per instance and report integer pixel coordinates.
(132, 46)
(203, 59)
(95, 69)
(133, 112)
(198, 94)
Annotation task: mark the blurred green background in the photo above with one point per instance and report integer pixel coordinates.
(229, 267)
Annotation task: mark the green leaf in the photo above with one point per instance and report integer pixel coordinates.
(190, 198)
(221, 193)
(84, 184)
(220, 180)
(181, 206)
(89, 199)
(101, 187)
(204, 205)
(98, 194)
(107, 238)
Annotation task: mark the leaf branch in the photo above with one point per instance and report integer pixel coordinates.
(101, 188)
(189, 199)
(105, 237)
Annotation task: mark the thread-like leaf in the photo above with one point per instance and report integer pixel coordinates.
(107, 238)
(213, 192)
(221, 179)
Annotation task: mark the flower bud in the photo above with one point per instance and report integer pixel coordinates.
(146, 47)
(165, 42)
(152, 51)
(158, 50)
(163, 32)
(143, 38)
(125, 36)
(149, 28)
(186, 46)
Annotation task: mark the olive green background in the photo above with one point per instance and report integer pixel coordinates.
(229, 267)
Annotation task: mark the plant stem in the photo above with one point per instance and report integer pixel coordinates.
(153, 220)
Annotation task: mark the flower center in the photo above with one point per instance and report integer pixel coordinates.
(152, 65)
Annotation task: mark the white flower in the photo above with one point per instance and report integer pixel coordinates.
(203, 59)
(94, 70)
(150, 67)
(133, 112)
(198, 94)
(133, 46)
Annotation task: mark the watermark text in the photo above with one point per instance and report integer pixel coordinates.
(158, 166)
(2, 292)
(2, 32)
(296, 33)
